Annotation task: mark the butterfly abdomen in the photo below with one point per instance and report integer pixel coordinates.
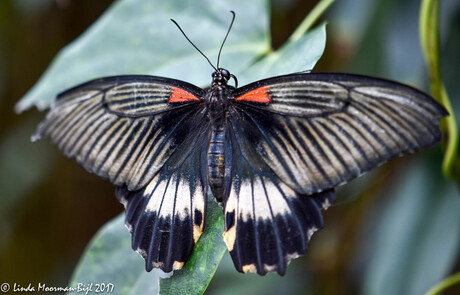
(216, 161)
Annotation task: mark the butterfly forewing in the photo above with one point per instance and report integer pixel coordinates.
(316, 131)
(123, 128)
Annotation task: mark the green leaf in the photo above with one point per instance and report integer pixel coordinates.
(109, 259)
(206, 256)
(137, 37)
(295, 56)
(418, 235)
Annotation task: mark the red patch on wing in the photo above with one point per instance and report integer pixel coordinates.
(259, 95)
(180, 95)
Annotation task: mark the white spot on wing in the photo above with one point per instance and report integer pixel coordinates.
(311, 231)
(291, 256)
(178, 265)
(129, 227)
(269, 268)
(249, 268)
(124, 201)
(141, 252)
(230, 237)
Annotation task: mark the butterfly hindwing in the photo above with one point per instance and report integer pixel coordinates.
(167, 216)
(317, 131)
(123, 128)
(267, 223)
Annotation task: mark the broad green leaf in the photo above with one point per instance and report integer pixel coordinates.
(137, 37)
(206, 256)
(418, 235)
(109, 259)
(295, 56)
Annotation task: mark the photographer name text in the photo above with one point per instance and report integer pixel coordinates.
(41, 287)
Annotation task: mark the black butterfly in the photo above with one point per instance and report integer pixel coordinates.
(271, 151)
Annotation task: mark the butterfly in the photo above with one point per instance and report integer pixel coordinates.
(271, 152)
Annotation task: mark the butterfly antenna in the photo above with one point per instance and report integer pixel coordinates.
(195, 45)
(222, 46)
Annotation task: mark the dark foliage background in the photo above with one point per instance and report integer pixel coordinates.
(39, 244)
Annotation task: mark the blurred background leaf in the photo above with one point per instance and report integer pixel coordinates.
(52, 215)
(417, 235)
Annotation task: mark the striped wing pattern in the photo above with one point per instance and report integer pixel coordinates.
(267, 223)
(121, 128)
(294, 138)
(167, 216)
(148, 135)
(289, 141)
(321, 130)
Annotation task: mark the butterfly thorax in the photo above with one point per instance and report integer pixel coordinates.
(217, 97)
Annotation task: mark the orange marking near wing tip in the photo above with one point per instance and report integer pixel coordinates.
(259, 95)
(180, 95)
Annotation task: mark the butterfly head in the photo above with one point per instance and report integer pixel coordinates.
(221, 76)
